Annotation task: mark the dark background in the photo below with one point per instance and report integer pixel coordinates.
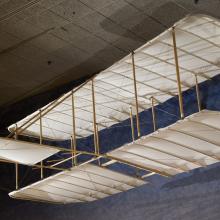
(193, 195)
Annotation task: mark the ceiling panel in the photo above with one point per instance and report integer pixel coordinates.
(44, 24)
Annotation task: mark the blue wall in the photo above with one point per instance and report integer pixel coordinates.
(193, 195)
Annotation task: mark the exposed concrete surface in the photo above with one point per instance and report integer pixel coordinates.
(46, 44)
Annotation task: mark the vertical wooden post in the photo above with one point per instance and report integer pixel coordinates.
(16, 176)
(198, 94)
(132, 124)
(178, 74)
(16, 135)
(73, 152)
(94, 116)
(136, 97)
(41, 141)
(97, 137)
(16, 164)
(153, 113)
(98, 144)
(73, 137)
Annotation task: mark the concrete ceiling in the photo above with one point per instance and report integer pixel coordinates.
(45, 44)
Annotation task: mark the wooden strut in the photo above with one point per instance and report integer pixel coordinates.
(72, 151)
(73, 137)
(46, 110)
(16, 176)
(136, 97)
(98, 143)
(178, 74)
(97, 136)
(41, 142)
(198, 94)
(64, 160)
(16, 165)
(153, 113)
(132, 124)
(96, 157)
(94, 117)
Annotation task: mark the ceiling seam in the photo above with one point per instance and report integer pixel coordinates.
(18, 10)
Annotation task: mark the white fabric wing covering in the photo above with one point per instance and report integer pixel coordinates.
(24, 152)
(198, 48)
(183, 146)
(81, 184)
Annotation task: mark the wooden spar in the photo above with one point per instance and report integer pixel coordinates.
(16, 165)
(73, 138)
(94, 116)
(153, 114)
(98, 143)
(177, 74)
(132, 124)
(41, 141)
(46, 110)
(135, 93)
(198, 94)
